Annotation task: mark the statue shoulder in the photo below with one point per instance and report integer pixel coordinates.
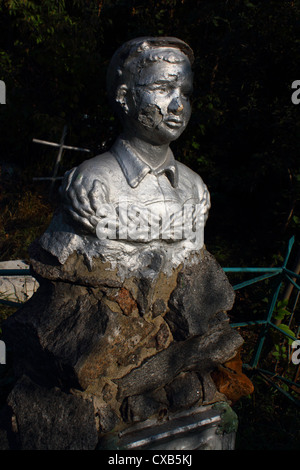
(191, 179)
(102, 165)
(86, 187)
(101, 168)
(189, 176)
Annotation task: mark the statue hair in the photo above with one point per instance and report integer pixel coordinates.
(136, 53)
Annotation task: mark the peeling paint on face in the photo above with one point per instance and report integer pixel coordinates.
(150, 116)
(160, 100)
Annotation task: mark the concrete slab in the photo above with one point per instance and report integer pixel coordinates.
(16, 288)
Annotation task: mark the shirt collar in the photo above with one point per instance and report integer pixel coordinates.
(135, 169)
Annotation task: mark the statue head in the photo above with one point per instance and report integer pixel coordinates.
(149, 83)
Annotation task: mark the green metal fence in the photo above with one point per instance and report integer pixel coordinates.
(282, 275)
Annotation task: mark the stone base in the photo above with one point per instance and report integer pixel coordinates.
(204, 428)
(121, 353)
(39, 418)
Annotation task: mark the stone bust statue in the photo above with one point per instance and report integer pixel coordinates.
(136, 198)
(130, 318)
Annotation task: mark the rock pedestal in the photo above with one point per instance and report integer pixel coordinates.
(97, 355)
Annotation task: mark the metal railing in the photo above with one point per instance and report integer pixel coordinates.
(282, 275)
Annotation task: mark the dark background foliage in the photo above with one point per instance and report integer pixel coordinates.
(243, 137)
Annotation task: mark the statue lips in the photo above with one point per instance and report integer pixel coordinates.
(173, 122)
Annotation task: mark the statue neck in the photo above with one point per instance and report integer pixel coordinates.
(152, 155)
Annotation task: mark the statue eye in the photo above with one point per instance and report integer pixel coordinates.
(186, 93)
(161, 89)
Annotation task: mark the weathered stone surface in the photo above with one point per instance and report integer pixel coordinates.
(135, 349)
(210, 391)
(200, 353)
(203, 291)
(76, 269)
(231, 381)
(126, 344)
(54, 330)
(159, 307)
(143, 289)
(106, 418)
(72, 335)
(139, 408)
(125, 301)
(184, 391)
(163, 337)
(48, 419)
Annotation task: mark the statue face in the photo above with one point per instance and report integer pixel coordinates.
(158, 102)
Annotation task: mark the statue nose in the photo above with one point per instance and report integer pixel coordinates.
(176, 105)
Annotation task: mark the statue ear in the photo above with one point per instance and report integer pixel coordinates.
(121, 97)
